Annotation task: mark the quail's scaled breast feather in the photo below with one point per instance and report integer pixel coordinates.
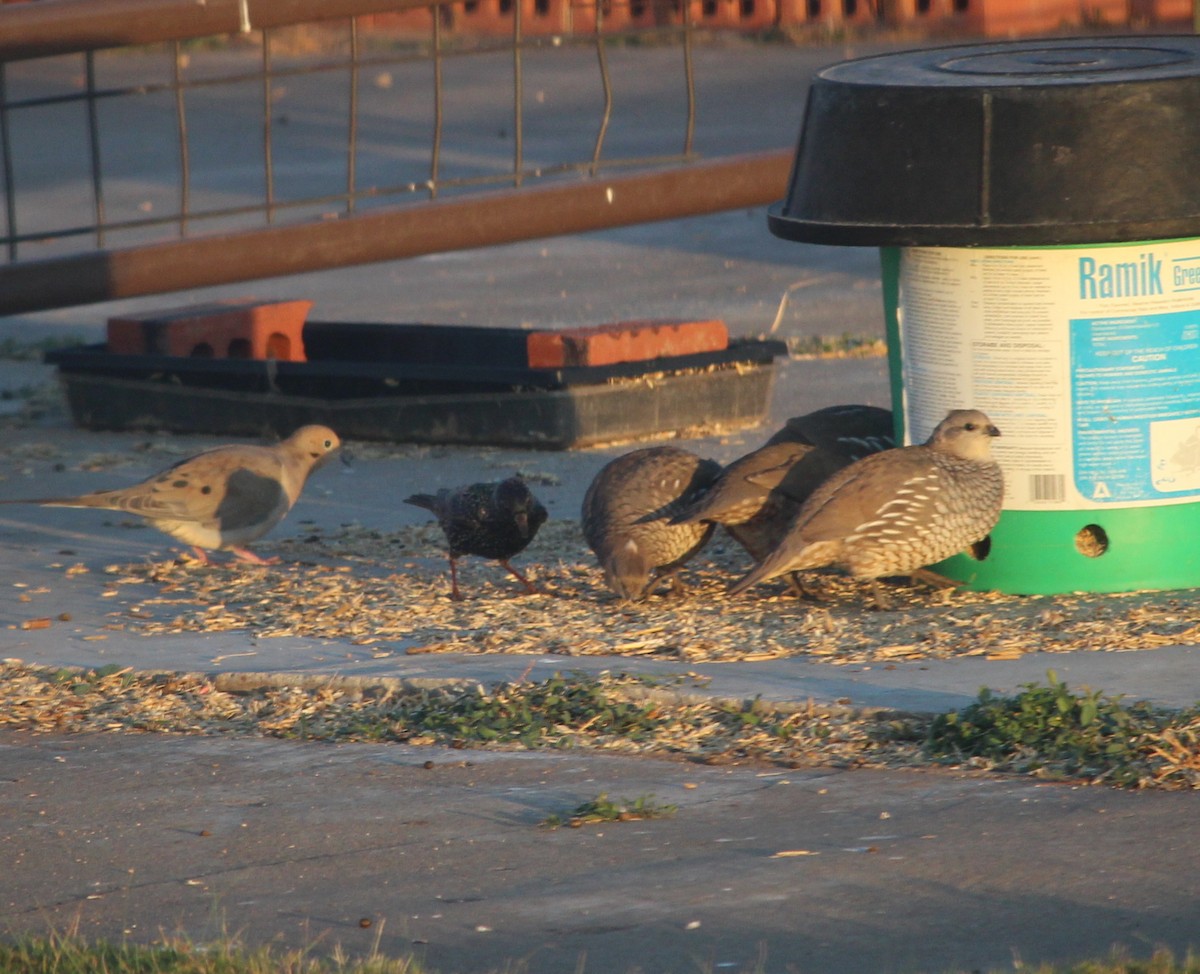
(628, 511)
(892, 513)
(494, 520)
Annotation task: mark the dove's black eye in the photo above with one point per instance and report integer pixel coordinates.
(970, 426)
(329, 444)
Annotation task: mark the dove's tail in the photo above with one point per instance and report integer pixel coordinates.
(100, 499)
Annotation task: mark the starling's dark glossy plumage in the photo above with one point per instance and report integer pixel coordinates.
(492, 520)
(627, 515)
(758, 495)
(892, 513)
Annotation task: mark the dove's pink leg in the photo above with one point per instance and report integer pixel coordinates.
(201, 555)
(245, 554)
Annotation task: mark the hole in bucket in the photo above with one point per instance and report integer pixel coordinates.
(980, 549)
(202, 350)
(1091, 540)
(240, 348)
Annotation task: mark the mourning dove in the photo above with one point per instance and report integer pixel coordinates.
(223, 498)
(491, 520)
(627, 514)
(895, 512)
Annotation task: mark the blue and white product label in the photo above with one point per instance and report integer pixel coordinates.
(1135, 396)
(1087, 358)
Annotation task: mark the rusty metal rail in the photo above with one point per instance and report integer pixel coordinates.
(424, 215)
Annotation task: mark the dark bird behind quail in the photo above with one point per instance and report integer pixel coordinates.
(895, 512)
(757, 495)
(491, 520)
(628, 510)
(853, 430)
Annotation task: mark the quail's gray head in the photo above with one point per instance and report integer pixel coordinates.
(628, 510)
(894, 512)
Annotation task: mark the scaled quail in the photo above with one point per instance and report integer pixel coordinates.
(491, 520)
(757, 496)
(892, 513)
(627, 514)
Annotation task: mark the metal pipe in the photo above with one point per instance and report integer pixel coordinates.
(30, 30)
(462, 223)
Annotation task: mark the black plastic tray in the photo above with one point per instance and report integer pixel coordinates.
(420, 383)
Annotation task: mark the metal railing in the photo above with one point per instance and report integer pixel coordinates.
(55, 53)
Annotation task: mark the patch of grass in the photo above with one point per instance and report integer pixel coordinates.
(1055, 732)
(59, 954)
(1047, 731)
(836, 346)
(557, 712)
(603, 809)
(26, 351)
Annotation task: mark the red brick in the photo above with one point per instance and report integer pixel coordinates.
(234, 329)
(625, 341)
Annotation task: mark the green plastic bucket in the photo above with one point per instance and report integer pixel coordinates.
(1088, 360)
(1037, 208)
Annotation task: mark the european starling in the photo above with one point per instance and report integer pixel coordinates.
(627, 514)
(757, 496)
(892, 513)
(222, 498)
(492, 520)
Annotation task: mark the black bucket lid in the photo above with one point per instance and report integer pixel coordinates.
(1038, 142)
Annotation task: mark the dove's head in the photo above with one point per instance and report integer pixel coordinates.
(316, 444)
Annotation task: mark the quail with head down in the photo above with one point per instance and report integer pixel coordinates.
(223, 498)
(895, 512)
(757, 495)
(628, 511)
(491, 520)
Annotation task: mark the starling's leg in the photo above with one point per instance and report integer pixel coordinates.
(455, 594)
(244, 554)
(529, 586)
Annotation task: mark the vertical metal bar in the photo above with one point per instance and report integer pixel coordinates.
(606, 82)
(89, 59)
(352, 134)
(518, 97)
(185, 166)
(690, 75)
(435, 157)
(10, 187)
(268, 166)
